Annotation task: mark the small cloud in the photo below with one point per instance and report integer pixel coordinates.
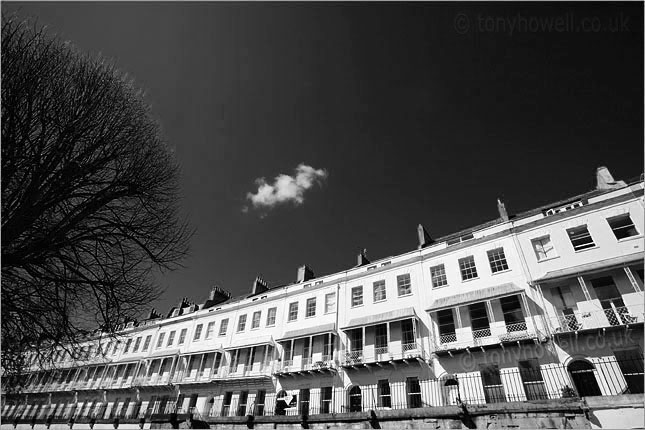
(285, 189)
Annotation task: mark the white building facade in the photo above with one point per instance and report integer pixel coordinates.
(542, 305)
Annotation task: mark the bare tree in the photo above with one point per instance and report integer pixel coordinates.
(89, 197)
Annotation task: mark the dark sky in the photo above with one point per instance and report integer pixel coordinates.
(414, 121)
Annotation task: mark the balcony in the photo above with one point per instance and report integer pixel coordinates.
(576, 321)
(382, 354)
(315, 364)
(498, 333)
(257, 370)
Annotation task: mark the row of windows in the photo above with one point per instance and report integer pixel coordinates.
(311, 307)
(622, 226)
(468, 269)
(404, 288)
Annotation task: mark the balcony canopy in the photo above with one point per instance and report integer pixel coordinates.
(395, 315)
(165, 353)
(310, 331)
(589, 268)
(253, 341)
(475, 296)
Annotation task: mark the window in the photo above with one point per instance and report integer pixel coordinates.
(198, 332)
(497, 260)
(492, 381)
(146, 343)
(357, 296)
(380, 338)
(127, 346)
(384, 398)
(479, 320)
(182, 336)
(543, 248)
(631, 366)
(255, 323)
(293, 311)
(622, 226)
(467, 268)
(404, 285)
(259, 403)
(330, 302)
(407, 334)
(532, 379)
(311, 307)
(226, 403)
(137, 343)
(379, 291)
(325, 400)
(171, 338)
(413, 390)
(160, 340)
(438, 276)
(223, 326)
(580, 238)
(271, 317)
(241, 323)
(446, 325)
(210, 328)
(513, 316)
(241, 404)
(303, 404)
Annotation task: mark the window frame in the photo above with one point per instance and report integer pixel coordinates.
(631, 226)
(541, 241)
(257, 314)
(440, 277)
(330, 305)
(355, 298)
(497, 260)
(308, 306)
(210, 330)
(223, 327)
(379, 287)
(400, 283)
(171, 338)
(576, 234)
(293, 312)
(468, 270)
(241, 323)
(182, 336)
(271, 315)
(198, 332)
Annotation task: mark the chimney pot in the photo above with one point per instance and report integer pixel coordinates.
(605, 181)
(501, 208)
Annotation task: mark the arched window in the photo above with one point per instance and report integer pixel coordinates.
(355, 399)
(582, 374)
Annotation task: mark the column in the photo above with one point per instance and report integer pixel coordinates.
(583, 285)
(631, 278)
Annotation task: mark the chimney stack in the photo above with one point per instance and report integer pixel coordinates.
(362, 258)
(259, 285)
(304, 273)
(216, 296)
(424, 237)
(501, 208)
(605, 181)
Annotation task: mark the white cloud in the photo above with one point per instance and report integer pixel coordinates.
(285, 188)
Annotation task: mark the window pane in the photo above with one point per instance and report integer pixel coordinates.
(271, 317)
(404, 285)
(497, 260)
(580, 238)
(357, 296)
(379, 291)
(438, 276)
(311, 307)
(622, 226)
(293, 311)
(330, 302)
(467, 268)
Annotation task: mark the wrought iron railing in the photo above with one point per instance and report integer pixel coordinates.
(573, 321)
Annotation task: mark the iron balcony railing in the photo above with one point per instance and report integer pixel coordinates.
(377, 354)
(496, 333)
(573, 321)
(307, 364)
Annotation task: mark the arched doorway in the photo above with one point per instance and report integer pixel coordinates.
(582, 374)
(355, 399)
